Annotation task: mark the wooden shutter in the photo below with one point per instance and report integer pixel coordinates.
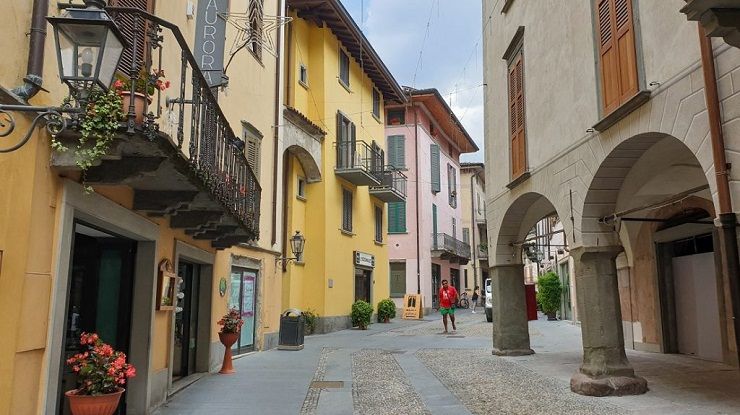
(397, 151)
(617, 56)
(347, 210)
(397, 217)
(378, 224)
(253, 154)
(129, 31)
(434, 151)
(466, 235)
(516, 117)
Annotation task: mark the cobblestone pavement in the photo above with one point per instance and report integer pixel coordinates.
(409, 367)
(486, 384)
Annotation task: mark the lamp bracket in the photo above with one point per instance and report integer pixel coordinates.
(53, 118)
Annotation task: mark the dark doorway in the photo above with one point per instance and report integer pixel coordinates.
(186, 321)
(455, 278)
(243, 297)
(436, 284)
(98, 298)
(363, 280)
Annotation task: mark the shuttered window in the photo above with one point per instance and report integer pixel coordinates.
(252, 146)
(346, 210)
(397, 151)
(454, 228)
(434, 151)
(256, 23)
(344, 68)
(516, 116)
(452, 185)
(397, 217)
(398, 279)
(466, 235)
(376, 103)
(617, 57)
(346, 142)
(378, 224)
(129, 30)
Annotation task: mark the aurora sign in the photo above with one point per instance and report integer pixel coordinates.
(210, 38)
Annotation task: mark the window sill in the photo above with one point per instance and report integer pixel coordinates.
(519, 180)
(301, 198)
(346, 232)
(379, 243)
(377, 118)
(344, 85)
(398, 233)
(303, 84)
(623, 111)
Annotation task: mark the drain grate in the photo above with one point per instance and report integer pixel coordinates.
(327, 384)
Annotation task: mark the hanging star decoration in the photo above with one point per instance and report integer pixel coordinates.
(254, 28)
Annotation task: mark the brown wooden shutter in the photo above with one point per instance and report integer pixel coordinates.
(516, 117)
(125, 23)
(616, 52)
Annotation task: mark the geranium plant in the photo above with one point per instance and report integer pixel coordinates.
(100, 369)
(231, 322)
(146, 83)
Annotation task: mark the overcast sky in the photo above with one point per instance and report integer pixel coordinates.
(450, 57)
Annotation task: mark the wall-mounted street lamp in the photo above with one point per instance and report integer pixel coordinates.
(297, 243)
(89, 47)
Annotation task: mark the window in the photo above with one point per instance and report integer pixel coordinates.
(516, 116)
(466, 235)
(434, 151)
(376, 103)
(344, 68)
(397, 151)
(301, 188)
(397, 217)
(396, 117)
(303, 75)
(465, 273)
(256, 23)
(252, 142)
(346, 139)
(398, 279)
(480, 206)
(452, 185)
(378, 224)
(454, 228)
(617, 57)
(346, 210)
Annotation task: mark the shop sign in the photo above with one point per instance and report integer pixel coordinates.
(210, 39)
(364, 260)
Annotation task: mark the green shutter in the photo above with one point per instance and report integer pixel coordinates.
(397, 217)
(396, 151)
(436, 187)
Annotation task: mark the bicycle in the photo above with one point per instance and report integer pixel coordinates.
(463, 302)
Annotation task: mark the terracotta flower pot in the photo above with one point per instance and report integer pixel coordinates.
(386, 320)
(228, 340)
(140, 104)
(93, 405)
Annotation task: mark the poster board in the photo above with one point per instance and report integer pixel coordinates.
(413, 307)
(166, 286)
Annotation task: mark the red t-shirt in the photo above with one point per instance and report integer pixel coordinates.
(447, 296)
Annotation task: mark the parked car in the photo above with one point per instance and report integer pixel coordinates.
(489, 300)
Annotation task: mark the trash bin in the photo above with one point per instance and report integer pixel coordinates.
(291, 330)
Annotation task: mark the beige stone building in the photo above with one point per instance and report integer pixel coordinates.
(474, 232)
(610, 114)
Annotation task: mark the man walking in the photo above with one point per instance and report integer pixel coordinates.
(447, 301)
(474, 299)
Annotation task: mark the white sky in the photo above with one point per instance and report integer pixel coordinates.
(451, 59)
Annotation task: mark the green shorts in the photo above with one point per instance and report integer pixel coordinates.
(444, 311)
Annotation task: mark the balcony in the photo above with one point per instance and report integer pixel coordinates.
(183, 162)
(450, 249)
(482, 252)
(392, 186)
(359, 163)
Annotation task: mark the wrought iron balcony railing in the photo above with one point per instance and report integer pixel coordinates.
(359, 162)
(199, 144)
(392, 186)
(448, 247)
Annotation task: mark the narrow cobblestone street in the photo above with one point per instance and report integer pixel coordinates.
(410, 367)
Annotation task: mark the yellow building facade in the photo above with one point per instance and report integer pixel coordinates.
(171, 235)
(335, 191)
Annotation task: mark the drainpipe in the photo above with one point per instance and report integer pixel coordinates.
(727, 218)
(418, 225)
(276, 131)
(33, 80)
(473, 228)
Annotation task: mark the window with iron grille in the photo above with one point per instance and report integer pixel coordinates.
(344, 68)
(346, 210)
(378, 224)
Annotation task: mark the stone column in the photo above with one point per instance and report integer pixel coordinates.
(605, 369)
(510, 325)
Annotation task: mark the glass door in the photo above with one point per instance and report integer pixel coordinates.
(186, 320)
(99, 297)
(243, 298)
(363, 279)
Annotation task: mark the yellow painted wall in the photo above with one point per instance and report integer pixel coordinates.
(329, 252)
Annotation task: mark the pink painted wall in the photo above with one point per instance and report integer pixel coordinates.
(402, 247)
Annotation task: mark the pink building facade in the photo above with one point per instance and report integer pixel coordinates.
(424, 139)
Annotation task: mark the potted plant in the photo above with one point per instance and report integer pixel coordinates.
(101, 375)
(309, 318)
(386, 310)
(362, 311)
(231, 327)
(146, 85)
(548, 294)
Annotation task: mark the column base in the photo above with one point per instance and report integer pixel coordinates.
(607, 385)
(512, 352)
